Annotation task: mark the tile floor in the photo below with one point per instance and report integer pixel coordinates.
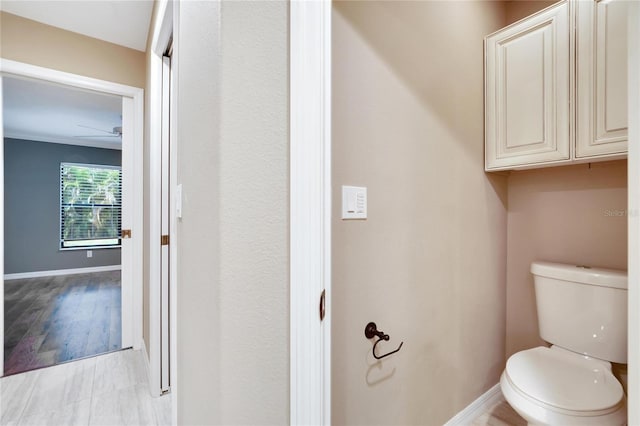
(110, 389)
(500, 414)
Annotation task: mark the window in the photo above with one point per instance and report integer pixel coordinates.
(90, 205)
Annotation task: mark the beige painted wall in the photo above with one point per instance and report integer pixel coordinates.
(28, 41)
(518, 9)
(569, 214)
(233, 283)
(428, 265)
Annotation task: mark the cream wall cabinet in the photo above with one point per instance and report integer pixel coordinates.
(532, 83)
(601, 126)
(528, 87)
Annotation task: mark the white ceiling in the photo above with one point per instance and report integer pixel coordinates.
(42, 111)
(123, 22)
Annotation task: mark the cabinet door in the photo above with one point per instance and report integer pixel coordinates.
(601, 127)
(528, 80)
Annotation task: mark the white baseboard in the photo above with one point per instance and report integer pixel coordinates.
(37, 274)
(477, 407)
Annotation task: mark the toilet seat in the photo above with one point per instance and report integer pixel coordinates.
(565, 380)
(544, 386)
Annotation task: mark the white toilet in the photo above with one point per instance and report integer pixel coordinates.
(582, 312)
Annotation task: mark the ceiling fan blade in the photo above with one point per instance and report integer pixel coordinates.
(95, 128)
(97, 136)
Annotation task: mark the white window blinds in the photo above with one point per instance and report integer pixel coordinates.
(90, 205)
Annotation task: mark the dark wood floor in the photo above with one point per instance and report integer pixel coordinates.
(51, 320)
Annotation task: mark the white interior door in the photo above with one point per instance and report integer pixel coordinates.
(161, 254)
(165, 220)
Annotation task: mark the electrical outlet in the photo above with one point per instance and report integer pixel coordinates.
(89, 253)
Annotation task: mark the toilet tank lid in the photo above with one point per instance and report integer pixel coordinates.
(602, 277)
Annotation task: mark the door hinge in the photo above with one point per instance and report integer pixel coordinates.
(126, 233)
(164, 241)
(322, 303)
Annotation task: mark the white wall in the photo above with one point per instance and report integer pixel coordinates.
(232, 118)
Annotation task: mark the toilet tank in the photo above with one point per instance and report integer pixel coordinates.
(582, 309)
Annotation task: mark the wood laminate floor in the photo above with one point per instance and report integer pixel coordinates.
(51, 320)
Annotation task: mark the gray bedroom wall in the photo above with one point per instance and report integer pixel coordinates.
(32, 206)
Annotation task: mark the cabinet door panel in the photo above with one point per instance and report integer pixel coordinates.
(524, 77)
(601, 78)
(527, 92)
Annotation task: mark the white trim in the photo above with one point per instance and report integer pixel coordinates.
(165, 208)
(633, 232)
(310, 211)
(1, 234)
(56, 272)
(90, 248)
(136, 94)
(173, 263)
(138, 217)
(480, 405)
(20, 69)
(63, 140)
(127, 244)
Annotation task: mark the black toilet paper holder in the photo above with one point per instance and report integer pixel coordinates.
(371, 331)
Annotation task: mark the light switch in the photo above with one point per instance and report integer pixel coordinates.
(179, 201)
(354, 202)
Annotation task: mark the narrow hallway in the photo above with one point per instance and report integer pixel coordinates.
(110, 389)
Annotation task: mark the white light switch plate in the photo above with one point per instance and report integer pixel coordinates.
(179, 201)
(354, 202)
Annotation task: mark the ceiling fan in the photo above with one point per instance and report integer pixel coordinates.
(116, 132)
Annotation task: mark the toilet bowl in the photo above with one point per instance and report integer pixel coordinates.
(553, 386)
(582, 313)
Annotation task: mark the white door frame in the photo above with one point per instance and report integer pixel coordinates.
(310, 211)
(633, 232)
(8, 67)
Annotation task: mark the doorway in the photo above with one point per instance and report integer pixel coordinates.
(127, 305)
(63, 204)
